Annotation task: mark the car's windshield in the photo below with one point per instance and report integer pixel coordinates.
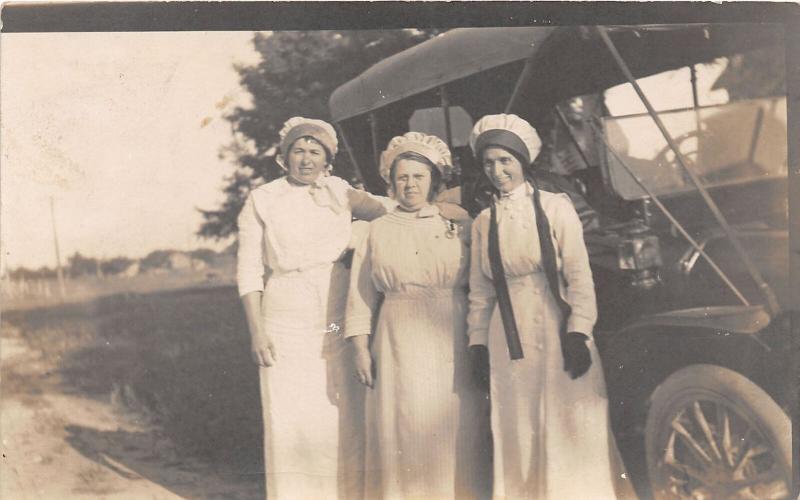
(724, 144)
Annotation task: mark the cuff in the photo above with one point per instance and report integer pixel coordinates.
(245, 288)
(357, 325)
(580, 325)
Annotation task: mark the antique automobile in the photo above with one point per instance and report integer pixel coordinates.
(685, 216)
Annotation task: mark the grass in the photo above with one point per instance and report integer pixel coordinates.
(46, 292)
(181, 357)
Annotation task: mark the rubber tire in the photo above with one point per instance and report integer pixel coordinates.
(717, 383)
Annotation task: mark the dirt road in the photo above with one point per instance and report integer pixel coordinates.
(59, 443)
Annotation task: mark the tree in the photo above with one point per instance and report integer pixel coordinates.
(296, 75)
(23, 273)
(156, 259)
(755, 74)
(80, 265)
(115, 265)
(204, 254)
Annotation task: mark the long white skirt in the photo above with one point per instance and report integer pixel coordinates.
(427, 429)
(312, 404)
(551, 433)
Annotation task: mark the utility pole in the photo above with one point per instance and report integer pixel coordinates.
(59, 270)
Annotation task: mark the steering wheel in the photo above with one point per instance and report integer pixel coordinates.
(688, 146)
(667, 159)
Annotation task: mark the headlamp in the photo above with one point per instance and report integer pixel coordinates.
(639, 251)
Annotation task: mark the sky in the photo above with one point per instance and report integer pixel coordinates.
(122, 131)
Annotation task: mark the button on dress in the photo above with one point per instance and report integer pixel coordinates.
(427, 426)
(551, 433)
(290, 237)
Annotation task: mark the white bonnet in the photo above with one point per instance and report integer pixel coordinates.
(297, 127)
(429, 146)
(484, 134)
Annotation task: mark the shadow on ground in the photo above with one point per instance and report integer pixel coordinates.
(179, 360)
(137, 455)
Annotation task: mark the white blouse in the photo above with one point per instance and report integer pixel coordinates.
(521, 255)
(406, 253)
(285, 227)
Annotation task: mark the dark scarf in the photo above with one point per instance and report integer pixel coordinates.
(548, 253)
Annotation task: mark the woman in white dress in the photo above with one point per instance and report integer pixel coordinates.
(549, 408)
(427, 434)
(292, 234)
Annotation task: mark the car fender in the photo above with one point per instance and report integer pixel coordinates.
(642, 354)
(736, 320)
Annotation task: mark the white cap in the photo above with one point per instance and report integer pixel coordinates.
(297, 127)
(429, 146)
(482, 135)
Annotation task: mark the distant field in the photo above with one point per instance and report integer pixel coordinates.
(37, 293)
(181, 356)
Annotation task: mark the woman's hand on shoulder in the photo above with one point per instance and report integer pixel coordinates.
(452, 211)
(263, 349)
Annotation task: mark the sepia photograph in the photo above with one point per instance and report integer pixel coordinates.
(399, 250)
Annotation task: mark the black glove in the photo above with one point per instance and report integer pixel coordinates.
(347, 258)
(577, 358)
(479, 362)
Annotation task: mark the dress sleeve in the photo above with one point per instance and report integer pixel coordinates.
(576, 270)
(366, 206)
(362, 298)
(249, 259)
(481, 292)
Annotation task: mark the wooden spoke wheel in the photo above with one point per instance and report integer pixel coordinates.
(713, 434)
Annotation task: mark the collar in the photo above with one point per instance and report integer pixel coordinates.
(324, 192)
(423, 213)
(519, 192)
